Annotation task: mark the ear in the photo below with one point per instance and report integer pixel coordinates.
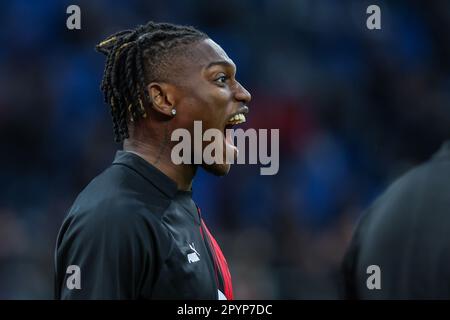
(162, 96)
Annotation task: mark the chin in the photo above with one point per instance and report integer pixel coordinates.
(217, 169)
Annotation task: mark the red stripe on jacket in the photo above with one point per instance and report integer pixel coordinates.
(221, 263)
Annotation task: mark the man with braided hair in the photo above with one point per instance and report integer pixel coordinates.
(134, 232)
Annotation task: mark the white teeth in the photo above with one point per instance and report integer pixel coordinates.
(237, 119)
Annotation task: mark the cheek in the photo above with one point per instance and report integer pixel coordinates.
(191, 109)
(218, 107)
(205, 101)
(210, 106)
(218, 102)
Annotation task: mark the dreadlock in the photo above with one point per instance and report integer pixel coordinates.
(135, 58)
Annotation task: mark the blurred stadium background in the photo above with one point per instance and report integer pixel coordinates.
(355, 109)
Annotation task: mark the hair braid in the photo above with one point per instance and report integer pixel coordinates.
(135, 57)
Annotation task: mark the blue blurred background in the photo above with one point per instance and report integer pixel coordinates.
(355, 109)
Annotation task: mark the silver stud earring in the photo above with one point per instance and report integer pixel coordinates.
(174, 112)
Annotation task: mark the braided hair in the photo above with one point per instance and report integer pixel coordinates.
(135, 58)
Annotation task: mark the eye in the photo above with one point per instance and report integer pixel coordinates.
(221, 78)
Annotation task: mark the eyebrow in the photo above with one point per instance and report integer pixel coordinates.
(220, 63)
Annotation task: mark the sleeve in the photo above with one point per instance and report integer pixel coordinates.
(105, 253)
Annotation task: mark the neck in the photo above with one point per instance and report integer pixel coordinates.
(159, 157)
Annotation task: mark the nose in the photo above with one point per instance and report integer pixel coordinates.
(242, 94)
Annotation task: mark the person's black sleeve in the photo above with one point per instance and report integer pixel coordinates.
(113, 249)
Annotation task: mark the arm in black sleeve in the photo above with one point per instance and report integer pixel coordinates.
(110, 248)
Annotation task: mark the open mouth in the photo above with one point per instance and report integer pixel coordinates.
(235, 119)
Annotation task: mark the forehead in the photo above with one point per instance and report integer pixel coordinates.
(205, 52)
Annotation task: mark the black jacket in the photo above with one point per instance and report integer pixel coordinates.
(406, 233)
(131, 234)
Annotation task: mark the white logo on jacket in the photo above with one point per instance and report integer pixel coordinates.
(193, 256)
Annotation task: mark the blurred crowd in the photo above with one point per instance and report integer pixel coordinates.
(355, 108)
